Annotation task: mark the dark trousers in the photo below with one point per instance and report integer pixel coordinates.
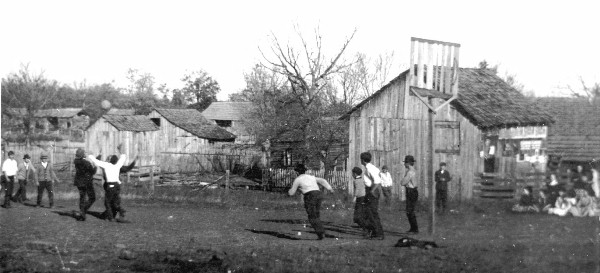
(387, 194)
(112, 200)
(360, 212)
(412, 196)
(87, 197)
(21, 194)
(45, 185)
(312, 204)
(441, 196)
(374, 222)
(8, 186)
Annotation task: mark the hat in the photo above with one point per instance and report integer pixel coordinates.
(26, 156)
(409, 159)
(43, 156)
(442, 164)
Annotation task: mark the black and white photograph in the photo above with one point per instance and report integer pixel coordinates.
(300, 136)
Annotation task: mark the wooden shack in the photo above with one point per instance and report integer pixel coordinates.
(138, 134)
(471, 105)
(574, 139)
(233, 117)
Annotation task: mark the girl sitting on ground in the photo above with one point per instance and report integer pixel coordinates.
(585, 204)
(562, 205)
(526, 204)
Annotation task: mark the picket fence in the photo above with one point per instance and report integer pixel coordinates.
(284, 178)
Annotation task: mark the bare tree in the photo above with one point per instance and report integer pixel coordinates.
(28, 90)
(364, 77)
(591, 93)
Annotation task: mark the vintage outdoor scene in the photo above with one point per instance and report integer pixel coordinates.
(261, 137)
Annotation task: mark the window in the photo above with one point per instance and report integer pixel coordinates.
(156, 121)
(287, 157)
(223, 123)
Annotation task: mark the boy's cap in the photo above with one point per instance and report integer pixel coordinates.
(442, 164)
(43, 156)
(10, 153)
(384, 167)
(26, 156)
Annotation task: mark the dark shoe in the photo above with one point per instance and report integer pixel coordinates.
(413, 232)
(7, 206)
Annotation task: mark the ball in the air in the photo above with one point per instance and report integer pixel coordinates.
(105, 104)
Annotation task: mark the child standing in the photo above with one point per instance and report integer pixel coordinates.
(46, 177)
(360, 214)
(412, 194)
(386, 184)
(373, 192)
(441, 177)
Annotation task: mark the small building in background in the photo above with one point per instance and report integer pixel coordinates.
(121, 112)
(233, 117)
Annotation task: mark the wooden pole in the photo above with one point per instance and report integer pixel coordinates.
(430, 179)
(151, 180)
(227, 182)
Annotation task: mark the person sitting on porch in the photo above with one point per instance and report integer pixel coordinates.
(526, 204)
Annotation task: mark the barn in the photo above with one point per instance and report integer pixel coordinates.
(482, 115)
(233, 117)
(138, 134)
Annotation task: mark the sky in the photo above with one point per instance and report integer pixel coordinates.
(547, 45)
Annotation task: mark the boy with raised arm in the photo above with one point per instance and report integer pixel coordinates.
(112, 200)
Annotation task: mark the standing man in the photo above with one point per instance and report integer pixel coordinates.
(441, 177)
(45, 177)
(112, 200)
(412, 194)
(386, 184)
(24, 172)
(373, 192)
(9, 171)
(309, 186)
(84, 181)
(360, 217)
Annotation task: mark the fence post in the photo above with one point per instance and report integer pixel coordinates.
(151, 180)
(227, 182)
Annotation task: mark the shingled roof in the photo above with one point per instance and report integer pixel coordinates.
(575, 135)
(121, 112)
(137, 123)
(228, 110)
(486, 100)
(192, 121)
(48, 113)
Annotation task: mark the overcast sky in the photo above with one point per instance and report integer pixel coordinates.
(547, 44)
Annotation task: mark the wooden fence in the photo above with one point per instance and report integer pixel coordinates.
(211, 159)
(283, 178)
(60, 153)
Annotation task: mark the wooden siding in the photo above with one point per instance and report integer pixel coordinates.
(381, 128)
(104, 138)
(174, 139)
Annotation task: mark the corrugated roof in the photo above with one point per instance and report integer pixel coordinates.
(137, 123)
(487, 100)
(228, 110)
(121, 112)
(195, 123)
(576, 133)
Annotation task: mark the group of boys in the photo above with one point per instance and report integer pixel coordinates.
(41, 173)
(85, 168)
(369, 187)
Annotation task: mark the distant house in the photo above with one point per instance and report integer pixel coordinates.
(138, 134)
(45, 120)
(187, 130)
(574, 139)
(482, 131)
(233, 117)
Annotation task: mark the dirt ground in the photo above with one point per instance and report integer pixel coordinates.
(232, 236)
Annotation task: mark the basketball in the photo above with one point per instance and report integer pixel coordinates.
(105, 104)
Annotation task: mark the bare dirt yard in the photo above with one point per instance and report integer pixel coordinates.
(186, 230)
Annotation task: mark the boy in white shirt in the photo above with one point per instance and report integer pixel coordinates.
(112, 200)
(9, 171)
(373, 192)
(386, 184)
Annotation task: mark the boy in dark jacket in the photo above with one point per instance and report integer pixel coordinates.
(442, 177)
(84, 176)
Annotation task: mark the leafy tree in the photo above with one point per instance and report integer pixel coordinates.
(200, 89)
(28, 90)
(141, 91)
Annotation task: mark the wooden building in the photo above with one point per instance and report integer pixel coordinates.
(574, 139)
(471, 105)
(187, 130)
(233, 117)
(138, 134)
(45, 120)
